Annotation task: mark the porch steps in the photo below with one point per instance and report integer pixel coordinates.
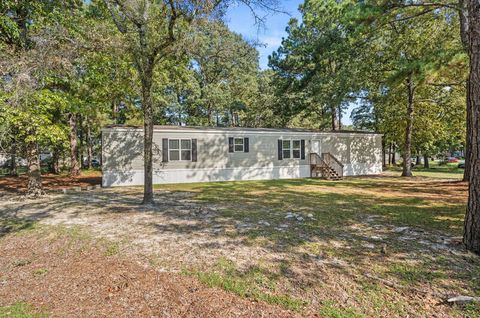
(325, 166)
(327, 173)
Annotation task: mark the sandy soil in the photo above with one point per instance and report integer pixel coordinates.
(72, 278)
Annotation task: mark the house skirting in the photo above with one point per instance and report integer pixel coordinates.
(165, 176)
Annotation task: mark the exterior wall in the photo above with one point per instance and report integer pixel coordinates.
(123, 155)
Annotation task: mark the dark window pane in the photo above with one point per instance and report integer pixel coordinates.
(296, 154)
(296, 144)
(238, 141)
(286, 154)
(239, 148)
(186, 155)
(173, 144)
(174, 155)
(186, 144)
(286, 144)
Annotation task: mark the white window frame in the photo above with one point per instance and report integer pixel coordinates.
(179, 149)
(242, 144)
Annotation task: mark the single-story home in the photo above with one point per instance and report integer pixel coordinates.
(201, 154)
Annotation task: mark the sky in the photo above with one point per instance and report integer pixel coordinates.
(240, 20)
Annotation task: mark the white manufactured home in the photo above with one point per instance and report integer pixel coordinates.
(202, 154)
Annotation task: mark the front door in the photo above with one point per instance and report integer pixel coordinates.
(316, 147)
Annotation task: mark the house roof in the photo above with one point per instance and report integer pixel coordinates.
(243, 129)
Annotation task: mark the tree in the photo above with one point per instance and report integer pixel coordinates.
(314, 65)
(472, 218)
(152, 30)
(226, 69)
(469, 26)
(408, 54)
(32, 42)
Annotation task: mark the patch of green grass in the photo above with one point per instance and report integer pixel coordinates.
(436, 170)
(472, 310)
(12, 225)
(398, 201)
(74, 232)
(411, 274)
(40, 271)
(255, 283)
(21, 310)
(112, 248)
(21, 262)
(330, 310)
(94, 172)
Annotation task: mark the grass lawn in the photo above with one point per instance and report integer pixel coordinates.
(380, 246)
(436, 170)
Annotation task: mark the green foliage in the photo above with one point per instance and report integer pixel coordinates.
(425, 47)
(315, 66)
(216, 82)
(340, 53)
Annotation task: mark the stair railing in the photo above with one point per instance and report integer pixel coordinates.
(316, 161)
(333, 163)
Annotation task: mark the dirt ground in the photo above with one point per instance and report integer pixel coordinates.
(372, 247)
(73, 278)
(50, 182)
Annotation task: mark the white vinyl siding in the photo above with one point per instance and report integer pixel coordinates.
(123, 154)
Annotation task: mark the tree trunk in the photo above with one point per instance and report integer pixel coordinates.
(334, 118)
(384, 154)
(89, 147)
(340, 118)
(394, 150)
(418, 160)
(55, 158)
(209, 114)
(426, 163)
(407, 152)
(471, 236)
(468, 140)
(74, 166)
(146, 76)
(148, 144)
(34, 188)
(390, 153)
(13, 159)
(81, 145)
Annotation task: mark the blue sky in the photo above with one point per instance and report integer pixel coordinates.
(240, 20)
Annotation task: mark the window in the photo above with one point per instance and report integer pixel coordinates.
(174, 148)
(186, 149)
(238, 145)
(296, 149)
(180, 149)
(289, 149)
(286, 149)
